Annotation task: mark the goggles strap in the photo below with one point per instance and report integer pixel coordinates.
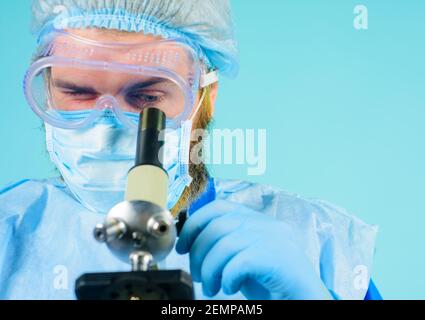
(208, 79)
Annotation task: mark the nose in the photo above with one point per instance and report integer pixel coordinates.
(106, 102)
(111, 105)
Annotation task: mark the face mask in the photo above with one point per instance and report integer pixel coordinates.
(94, 162)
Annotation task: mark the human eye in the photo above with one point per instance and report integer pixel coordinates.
(143, 98)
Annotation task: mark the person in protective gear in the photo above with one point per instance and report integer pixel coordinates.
(98, 64)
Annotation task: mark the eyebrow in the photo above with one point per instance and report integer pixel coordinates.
(72, 86)
(136, 86)
(144, 84)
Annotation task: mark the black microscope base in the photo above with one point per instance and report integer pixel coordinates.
(148, 285)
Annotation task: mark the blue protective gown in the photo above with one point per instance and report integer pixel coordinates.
(46, 239)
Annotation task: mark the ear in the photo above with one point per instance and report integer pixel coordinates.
(213, 95)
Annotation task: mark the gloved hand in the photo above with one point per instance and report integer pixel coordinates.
(238, 249)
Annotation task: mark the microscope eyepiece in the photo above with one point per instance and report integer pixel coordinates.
(150, 143)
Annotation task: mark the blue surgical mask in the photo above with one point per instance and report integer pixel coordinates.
(94, 162)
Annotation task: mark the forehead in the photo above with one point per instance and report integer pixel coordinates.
(114, 36)
(129, 48)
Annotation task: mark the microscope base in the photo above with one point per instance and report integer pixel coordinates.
(144, 285)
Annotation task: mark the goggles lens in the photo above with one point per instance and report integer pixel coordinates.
(75, 74)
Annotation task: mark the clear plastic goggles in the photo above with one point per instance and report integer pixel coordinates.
(75, 74)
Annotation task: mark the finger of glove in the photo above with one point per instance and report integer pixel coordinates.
(213, 232)
(201, 218)
(219, 256)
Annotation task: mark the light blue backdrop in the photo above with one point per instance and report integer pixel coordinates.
(344, 110)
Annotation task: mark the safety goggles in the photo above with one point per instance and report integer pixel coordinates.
(76, 75)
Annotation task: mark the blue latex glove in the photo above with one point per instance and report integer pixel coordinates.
(238, 249)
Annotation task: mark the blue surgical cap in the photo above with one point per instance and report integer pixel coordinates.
(206, 24)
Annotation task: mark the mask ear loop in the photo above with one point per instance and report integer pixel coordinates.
(201, 101)
(183, 169)
(205, 81)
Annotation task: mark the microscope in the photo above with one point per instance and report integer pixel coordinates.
(140, 230)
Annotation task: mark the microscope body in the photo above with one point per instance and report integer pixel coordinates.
(140, 230)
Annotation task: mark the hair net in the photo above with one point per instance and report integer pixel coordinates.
(206, 25)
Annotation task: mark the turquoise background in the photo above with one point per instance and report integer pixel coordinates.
(344, 110)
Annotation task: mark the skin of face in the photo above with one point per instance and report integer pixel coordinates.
(166, 94)
(200, 120)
